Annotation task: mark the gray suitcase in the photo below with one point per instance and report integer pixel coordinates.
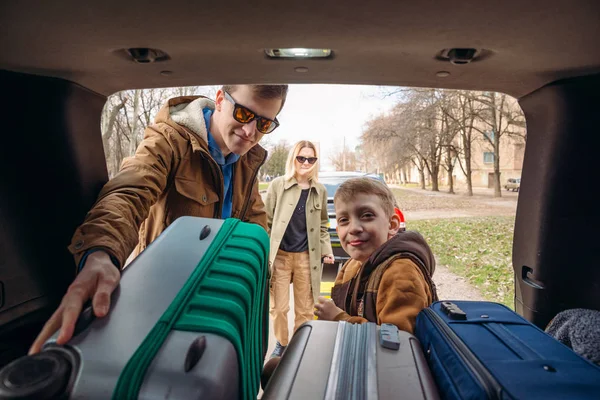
(338, 360)
(213, 340)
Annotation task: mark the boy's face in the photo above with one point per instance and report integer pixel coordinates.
(363, 225)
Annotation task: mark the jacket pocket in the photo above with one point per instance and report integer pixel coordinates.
(339, 295)
(195, 191)
(190, 198)
(316, 202)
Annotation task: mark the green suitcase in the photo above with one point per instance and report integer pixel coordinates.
(189, 320)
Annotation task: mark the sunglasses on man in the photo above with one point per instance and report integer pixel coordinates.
(245, 115)
(302, 160)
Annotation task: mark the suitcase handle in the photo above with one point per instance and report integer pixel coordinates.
(453, 311)
(85, 318)
(388, 336)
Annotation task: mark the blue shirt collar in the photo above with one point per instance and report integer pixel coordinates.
(213, 147)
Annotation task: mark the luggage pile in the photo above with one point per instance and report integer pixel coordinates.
(461, 350)
(190, 321)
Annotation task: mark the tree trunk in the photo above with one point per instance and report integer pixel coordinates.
(468, 113)
(469, 170)
(497, 133)
(469, 185)
(435, 171)
(450, 169)
(497, 187)
(133, 143)
(421, 168)
(118, 154)
(107, 127)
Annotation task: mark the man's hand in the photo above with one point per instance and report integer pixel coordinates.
(329, 259)
(97, 280)
(326, 309)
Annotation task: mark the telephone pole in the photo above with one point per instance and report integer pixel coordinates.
(344, 155)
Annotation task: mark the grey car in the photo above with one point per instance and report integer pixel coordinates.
(513, 184)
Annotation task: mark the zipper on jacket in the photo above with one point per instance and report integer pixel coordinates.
(219, 207)
(486, 380)
(214, 166)
(217, 176)
(247, 203)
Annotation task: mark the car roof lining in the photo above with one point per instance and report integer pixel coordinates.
(529, 44)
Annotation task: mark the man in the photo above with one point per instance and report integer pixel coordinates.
(200, 158)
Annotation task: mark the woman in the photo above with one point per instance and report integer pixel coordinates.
(297, 219)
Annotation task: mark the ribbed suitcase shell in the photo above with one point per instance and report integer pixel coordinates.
(324, 362)
(188, 320)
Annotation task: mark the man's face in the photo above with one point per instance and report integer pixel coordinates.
(235, 137)
(363, 226)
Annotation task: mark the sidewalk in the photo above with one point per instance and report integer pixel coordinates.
(461, 191)
(482, 203)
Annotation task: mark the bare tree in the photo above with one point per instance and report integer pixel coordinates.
(449, 152)
(275, 165)
(344, 160)
(134, 138)
(498, 118)
(439, 128)
(151, 101)
(382, 148)
(462, 113)
(128, 113)
(109, 116)
(456, 125)
(393, 143)
(420, 116)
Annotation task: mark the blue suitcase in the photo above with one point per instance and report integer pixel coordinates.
(484, 350)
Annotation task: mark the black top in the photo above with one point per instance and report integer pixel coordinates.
(295, 239)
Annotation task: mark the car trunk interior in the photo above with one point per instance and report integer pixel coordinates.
(59, 64)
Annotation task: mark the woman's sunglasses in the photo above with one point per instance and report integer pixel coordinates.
(302, 160)
(245, 115)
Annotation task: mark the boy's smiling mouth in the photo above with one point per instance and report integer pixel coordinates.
(356, 242)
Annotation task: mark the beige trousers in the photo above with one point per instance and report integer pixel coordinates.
(287, 268)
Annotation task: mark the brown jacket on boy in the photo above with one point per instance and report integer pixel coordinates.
(392, 286)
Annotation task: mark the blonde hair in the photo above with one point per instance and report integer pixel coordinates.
(290, 165)
(350, 188)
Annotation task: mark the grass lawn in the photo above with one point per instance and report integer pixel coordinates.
(263, 185)
(411, 185)
(479, 249)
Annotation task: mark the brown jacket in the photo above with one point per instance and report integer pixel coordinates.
(392, 286)
(172, 174)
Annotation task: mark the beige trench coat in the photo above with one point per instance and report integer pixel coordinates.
(282, 197)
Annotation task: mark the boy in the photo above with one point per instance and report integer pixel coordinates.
(388, 278)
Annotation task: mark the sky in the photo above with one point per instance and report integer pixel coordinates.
(329, 113)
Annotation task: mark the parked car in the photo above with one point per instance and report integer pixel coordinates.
(331, 181)
(513, 184)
